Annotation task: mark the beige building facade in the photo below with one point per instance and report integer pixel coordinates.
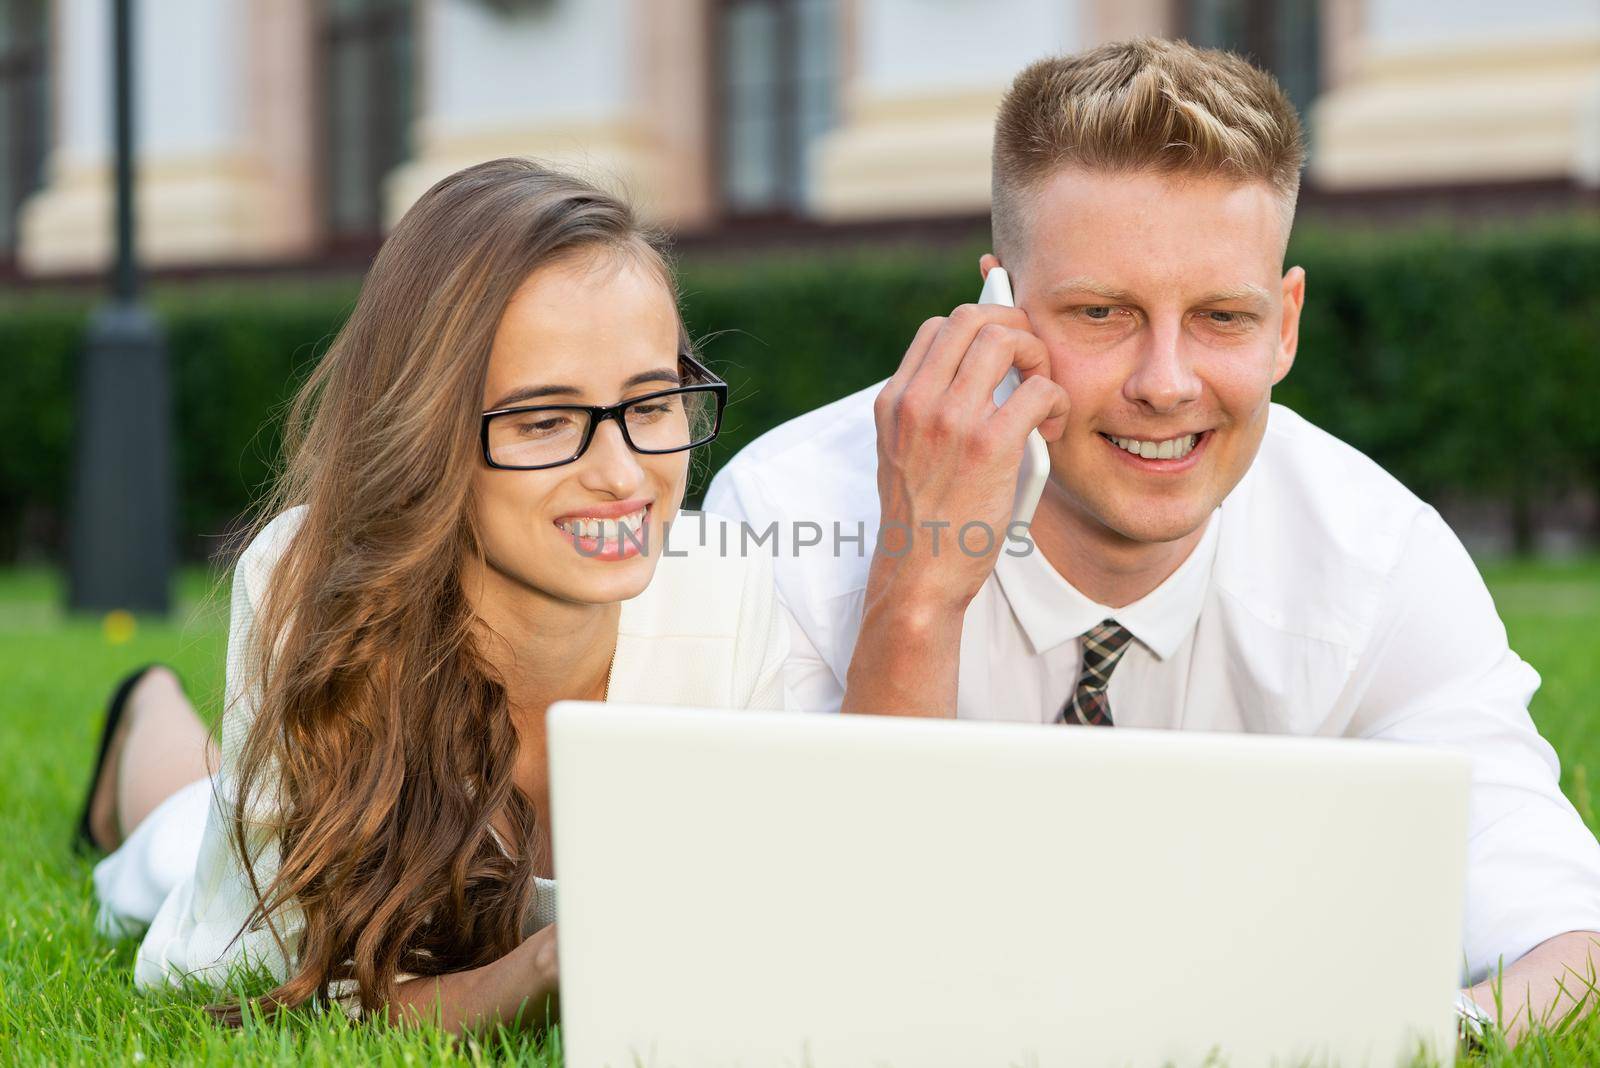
(284, 131)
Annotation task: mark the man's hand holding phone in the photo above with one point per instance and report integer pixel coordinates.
(948, 456)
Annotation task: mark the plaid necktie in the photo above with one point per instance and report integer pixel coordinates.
(1103, 646)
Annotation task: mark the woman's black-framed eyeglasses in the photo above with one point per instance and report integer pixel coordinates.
(537, 436)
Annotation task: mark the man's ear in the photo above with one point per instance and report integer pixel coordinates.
(1294, 298)
(986, 263)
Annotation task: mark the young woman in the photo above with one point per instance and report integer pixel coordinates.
(471, 526)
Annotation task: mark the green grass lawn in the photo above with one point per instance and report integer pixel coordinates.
(66, 996)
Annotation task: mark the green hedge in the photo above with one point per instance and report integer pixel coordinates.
(235, 356)
(1466, 363)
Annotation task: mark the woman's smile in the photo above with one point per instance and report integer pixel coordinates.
(616, 530)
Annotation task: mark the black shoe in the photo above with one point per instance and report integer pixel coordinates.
(83, 840)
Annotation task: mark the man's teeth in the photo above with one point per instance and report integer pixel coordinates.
(1171, 449)
(610, 530)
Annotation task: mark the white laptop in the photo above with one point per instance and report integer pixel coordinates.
(753, 889)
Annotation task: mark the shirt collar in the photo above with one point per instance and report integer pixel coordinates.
(1052, 612)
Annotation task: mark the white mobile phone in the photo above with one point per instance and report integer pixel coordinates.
(1035, 470)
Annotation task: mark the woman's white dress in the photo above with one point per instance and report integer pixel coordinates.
(708, 631)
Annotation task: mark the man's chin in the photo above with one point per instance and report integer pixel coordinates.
(1155, 526)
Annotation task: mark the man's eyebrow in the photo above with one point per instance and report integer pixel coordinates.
(1084, 284)
(1242, 291)
(531, 393)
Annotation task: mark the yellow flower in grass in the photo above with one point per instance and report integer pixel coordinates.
(119, 627)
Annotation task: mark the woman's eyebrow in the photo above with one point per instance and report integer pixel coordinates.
(529, 393)
(660, 374)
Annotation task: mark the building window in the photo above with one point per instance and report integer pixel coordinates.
(1277, 35)
(367, 108)
(23, 115)
(776, 81)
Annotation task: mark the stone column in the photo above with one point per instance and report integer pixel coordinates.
(609, 89)
(224, 139)
(925, 79)
(1471, 91)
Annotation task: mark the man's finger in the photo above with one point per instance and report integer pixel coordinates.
(995, 351)
(938, 368)
(1039, 403)
(910, 361)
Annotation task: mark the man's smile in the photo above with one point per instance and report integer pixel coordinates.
(1168, 455)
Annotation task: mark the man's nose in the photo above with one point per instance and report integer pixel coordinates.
(609, 465)
(1164, 378)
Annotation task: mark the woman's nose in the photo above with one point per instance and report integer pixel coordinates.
(609, 465)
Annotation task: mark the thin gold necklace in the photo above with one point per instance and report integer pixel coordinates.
(606, 696)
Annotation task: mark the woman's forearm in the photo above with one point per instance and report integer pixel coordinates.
(521, 987)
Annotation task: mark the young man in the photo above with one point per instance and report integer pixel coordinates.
(1204, 560)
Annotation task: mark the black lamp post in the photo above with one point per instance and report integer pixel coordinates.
(121, 541)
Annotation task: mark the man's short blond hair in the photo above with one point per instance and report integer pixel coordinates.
(1141, 105)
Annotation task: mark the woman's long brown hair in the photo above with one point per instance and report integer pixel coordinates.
(382, 741)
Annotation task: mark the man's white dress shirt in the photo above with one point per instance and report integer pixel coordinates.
(1323, 599)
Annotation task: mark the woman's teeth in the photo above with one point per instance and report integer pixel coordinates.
(1171, 449)
(607, 530)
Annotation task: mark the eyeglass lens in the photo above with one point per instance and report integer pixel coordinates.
(540, 436)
